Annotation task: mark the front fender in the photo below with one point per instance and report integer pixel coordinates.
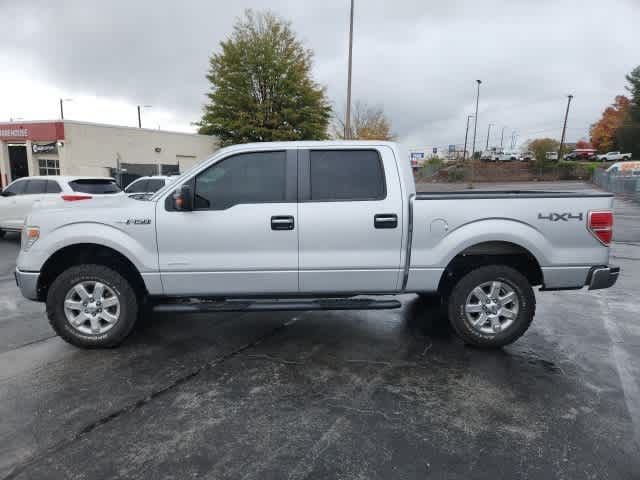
(141, 250)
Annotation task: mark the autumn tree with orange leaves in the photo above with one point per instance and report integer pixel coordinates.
(604, 131)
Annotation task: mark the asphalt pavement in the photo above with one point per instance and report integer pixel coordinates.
(381, 394)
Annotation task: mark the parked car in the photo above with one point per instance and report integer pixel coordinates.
(551, 156)
(527, 156)
(19, 197)
(614, 157)
(581, 154)
(311, 226)
(506, 157)
(487, 156)
(144, 186)
(624, 168)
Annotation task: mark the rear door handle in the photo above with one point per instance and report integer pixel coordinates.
(385, 220)
(282, 222)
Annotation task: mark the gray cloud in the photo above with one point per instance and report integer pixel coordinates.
(417, 58)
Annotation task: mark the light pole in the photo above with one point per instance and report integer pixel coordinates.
(475, 130)
(488, 133)
(502, 137)
(62, 100)
(466, 134)
(564, 127)
(347, 123)
(139, 117)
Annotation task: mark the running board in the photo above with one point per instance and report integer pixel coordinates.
(276, 305)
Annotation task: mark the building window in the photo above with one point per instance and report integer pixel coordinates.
(49, 166)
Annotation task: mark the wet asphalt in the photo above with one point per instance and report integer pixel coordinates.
(382, 394)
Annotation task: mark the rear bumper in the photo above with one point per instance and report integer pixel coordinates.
(27, 283)
(602, 277)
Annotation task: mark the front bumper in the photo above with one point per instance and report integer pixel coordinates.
(602, 277)
(27, 283)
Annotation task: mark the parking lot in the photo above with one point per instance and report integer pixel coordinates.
(381, 394)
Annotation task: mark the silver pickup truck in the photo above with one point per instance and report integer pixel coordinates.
(311, 226)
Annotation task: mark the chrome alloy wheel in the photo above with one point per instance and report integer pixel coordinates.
(92, 307)
(491, 307)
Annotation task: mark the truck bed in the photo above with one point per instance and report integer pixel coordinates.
(485, 194)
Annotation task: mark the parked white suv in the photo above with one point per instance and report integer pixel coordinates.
(17, 200)
(145, 186)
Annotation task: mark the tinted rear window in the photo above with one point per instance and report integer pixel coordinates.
(139, 186)
(53, 187)
(346, 175)
(94, 186)
(35, 187)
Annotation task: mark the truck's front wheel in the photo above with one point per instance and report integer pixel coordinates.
(491, 306)
(92, 306)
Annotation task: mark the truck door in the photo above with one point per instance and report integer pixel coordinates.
(242, 235)
(351, 218)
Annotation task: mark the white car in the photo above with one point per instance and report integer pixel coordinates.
(506, 157)
(145, 186)
(17, 200)
(614, 157)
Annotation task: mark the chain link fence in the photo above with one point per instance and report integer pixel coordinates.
(627, 185)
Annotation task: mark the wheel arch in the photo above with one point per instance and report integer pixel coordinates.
(492, 252)
(88, 253)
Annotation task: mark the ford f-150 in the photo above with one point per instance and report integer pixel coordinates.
(311, 226)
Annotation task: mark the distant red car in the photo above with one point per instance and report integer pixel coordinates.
(582, 154)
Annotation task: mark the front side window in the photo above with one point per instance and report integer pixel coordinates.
(48, 166)
(343, 175)
(16, 188)
(258, 177)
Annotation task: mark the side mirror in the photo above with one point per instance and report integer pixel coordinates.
(183, 199)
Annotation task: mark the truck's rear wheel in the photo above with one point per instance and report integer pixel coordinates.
(92, 306)
(491, 306)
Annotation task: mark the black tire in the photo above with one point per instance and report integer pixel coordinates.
(625, 159)
(2, 232)
(114, 280)
(462, 289)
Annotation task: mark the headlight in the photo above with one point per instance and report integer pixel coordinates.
(29, 236)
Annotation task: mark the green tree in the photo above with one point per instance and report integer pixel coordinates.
(540, 146)
(628, 134)
(261, 86)
(367, 123)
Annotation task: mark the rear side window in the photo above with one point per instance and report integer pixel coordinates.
(154, 185)
(346, 175)
(35, 187)
(139, 186)
(53, 187)
(97, 186)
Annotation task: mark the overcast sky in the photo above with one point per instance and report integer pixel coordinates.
(417, 58)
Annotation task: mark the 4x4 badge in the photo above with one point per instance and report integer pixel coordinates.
(556, 217)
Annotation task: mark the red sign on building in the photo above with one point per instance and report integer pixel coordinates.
(36, 132)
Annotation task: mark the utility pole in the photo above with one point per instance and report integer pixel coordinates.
(347, 123)
(488, 133)
(466, 134)
(62, 100)
(502, 137)
(140, 107)
(475, 130)
(564, 127)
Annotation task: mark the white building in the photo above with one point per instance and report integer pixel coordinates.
(68, 147)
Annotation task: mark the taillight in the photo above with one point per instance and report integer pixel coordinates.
(601, 225)
(75, 197)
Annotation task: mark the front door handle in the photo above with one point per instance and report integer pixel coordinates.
(385, 220)
(282, 222)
